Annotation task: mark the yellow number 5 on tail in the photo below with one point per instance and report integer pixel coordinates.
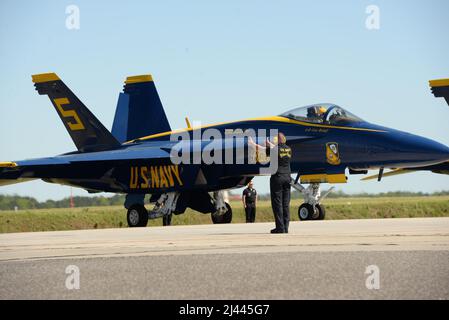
(78, 125)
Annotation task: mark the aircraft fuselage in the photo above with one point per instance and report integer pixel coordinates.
(360, 147)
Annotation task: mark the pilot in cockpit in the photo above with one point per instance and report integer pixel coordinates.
(316, 113)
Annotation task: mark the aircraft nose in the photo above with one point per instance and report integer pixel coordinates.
(422, 150)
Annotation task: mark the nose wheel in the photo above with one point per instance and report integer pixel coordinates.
(311, 209)
(309, 212)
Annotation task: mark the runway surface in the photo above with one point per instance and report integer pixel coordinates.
(316, 260)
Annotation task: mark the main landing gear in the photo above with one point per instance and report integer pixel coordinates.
(137, 216)
(311, 209)
(137, 213)
(223, 211)
(166, 205)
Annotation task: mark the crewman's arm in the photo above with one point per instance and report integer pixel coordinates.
(270, 144)
(244, 200)
(267, 144)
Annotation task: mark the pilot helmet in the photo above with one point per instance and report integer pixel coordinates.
(321, 110)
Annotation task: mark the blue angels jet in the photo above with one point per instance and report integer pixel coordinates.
(136, 157)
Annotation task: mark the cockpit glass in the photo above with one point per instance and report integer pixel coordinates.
(322, 113)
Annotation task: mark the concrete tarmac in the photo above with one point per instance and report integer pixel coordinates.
(403, 258)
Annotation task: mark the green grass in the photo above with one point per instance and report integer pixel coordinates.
(115, 217)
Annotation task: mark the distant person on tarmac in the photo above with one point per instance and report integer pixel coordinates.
(249, 199)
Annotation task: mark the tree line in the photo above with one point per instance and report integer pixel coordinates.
(10, 202)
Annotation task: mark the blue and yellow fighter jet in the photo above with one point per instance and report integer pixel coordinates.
(136, 157)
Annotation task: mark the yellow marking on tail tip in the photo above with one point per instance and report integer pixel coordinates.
(8, 164)
(44, 77)
(138, 79)
(439, 83)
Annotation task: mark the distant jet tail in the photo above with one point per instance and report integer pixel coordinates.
(139, 110)
(440, 88)
(84, 128)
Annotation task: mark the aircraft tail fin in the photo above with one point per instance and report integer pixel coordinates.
(86, 131)
(139, 110)
(440, 88)
(120, 124)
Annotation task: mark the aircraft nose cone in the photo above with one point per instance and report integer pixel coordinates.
(439, 151)
(423, 150)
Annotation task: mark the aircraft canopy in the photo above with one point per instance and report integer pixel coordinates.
(325, 113)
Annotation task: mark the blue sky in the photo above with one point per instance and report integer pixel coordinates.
(217, 61)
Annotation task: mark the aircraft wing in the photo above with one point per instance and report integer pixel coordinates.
(6, 182)
(25, 170)
(8, 167)
(22, 171)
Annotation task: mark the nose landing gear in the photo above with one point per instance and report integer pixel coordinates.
(311, 209)
(138, 215)
(309, 212)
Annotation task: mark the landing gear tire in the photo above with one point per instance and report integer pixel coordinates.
(137, 216)
(321, 212)
(307, 212)
(224, 218)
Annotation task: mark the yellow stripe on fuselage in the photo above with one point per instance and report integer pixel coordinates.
(324, 178)
(274, 118)
(439, 83)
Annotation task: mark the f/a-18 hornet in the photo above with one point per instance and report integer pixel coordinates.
(191, 167)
